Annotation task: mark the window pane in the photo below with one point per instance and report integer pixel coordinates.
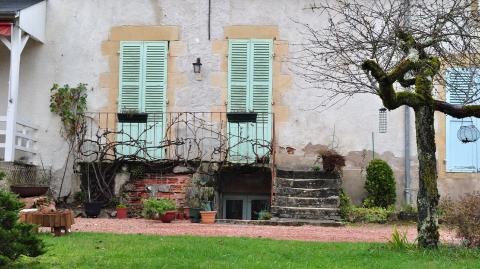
(234, 209)
(257, 206)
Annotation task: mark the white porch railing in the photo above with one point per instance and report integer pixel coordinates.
(24, 140)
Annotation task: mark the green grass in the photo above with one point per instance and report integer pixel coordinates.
(90, 250)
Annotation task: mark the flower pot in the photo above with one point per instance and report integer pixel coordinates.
(168, 216)
(122, 213)
(92, 209)
(29, 191)
(194, 214)
(186, 213)
(208, 217)
(179, 216)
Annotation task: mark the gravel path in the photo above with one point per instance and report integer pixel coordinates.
(357, 233)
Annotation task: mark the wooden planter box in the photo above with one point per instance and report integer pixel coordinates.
(132, 117)
(240, 117)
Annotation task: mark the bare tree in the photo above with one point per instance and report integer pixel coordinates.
(399, 50)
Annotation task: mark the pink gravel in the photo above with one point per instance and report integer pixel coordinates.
(354, 233)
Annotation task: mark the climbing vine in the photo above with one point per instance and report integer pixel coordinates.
(70, 104)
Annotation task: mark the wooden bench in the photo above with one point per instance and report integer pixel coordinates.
(58, 220)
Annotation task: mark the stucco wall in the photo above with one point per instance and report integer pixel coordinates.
(77, 50)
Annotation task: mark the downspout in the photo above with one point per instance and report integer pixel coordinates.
(408, 178)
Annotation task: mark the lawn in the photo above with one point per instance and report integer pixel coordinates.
(92, 250)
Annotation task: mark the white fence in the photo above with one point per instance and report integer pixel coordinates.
(24, 141)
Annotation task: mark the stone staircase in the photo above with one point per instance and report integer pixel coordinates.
(307, 198)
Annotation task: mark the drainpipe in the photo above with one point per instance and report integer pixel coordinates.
(408, 179)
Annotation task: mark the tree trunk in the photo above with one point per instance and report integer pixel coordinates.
(427, 198)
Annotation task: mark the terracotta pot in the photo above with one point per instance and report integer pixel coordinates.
(179, 215)
(186, 212)
(29, 191)
(208, 217)
(122, 213)
(168, 216)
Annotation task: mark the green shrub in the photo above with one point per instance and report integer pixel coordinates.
(369, 215)
(264, 215)
(380, 185)
(345, 205)
(16, 238)
(153, 208)
(464, 216)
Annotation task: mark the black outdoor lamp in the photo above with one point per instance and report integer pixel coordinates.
(197, 66)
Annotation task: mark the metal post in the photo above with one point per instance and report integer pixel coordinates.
(15, 52)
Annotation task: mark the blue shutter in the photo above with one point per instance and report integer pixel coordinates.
(238, 98)
(261, 94)
(154, 95)
(250, 90)
(142, 87)
(130, 97)
(460, 157)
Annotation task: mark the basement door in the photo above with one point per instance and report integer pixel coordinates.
(250, 90)
(244, 206)
(142, 88)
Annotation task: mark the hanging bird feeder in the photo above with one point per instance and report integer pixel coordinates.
(468, 134)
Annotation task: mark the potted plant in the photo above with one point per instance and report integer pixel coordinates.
(132, 116)
(196, 198)
(332, 161)
(208, 215)
(92, 208)
(180, 214)
(122, 211)
(163, 209)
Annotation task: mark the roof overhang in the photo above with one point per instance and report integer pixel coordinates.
(29, 15)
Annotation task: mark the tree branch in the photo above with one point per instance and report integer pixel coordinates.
(457, 111)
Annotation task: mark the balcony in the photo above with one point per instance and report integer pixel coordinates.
(180, 136)
(24, 140)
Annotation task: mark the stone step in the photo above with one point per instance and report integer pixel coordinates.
(306, 174)
(282, 222)
(303, 192)
(324, 202)
(306, 183)
(306, 213)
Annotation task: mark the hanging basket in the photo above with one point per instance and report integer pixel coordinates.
(468, 134)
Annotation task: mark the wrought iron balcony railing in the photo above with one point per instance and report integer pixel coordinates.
(186, 136)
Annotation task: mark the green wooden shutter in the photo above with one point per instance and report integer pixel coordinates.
(130, 96)
(130, 76)
(261, 94)
(238, 75)
(142, 87)
(460, 157)
(250, 90)
(155, 83)
(238, 96)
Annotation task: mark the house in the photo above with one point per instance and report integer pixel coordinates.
(141, 56)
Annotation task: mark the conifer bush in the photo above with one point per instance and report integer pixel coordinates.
(16, 238)
(380, 185)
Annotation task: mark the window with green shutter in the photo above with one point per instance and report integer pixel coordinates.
(250, 90)
(461, 84)
(142, 88)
